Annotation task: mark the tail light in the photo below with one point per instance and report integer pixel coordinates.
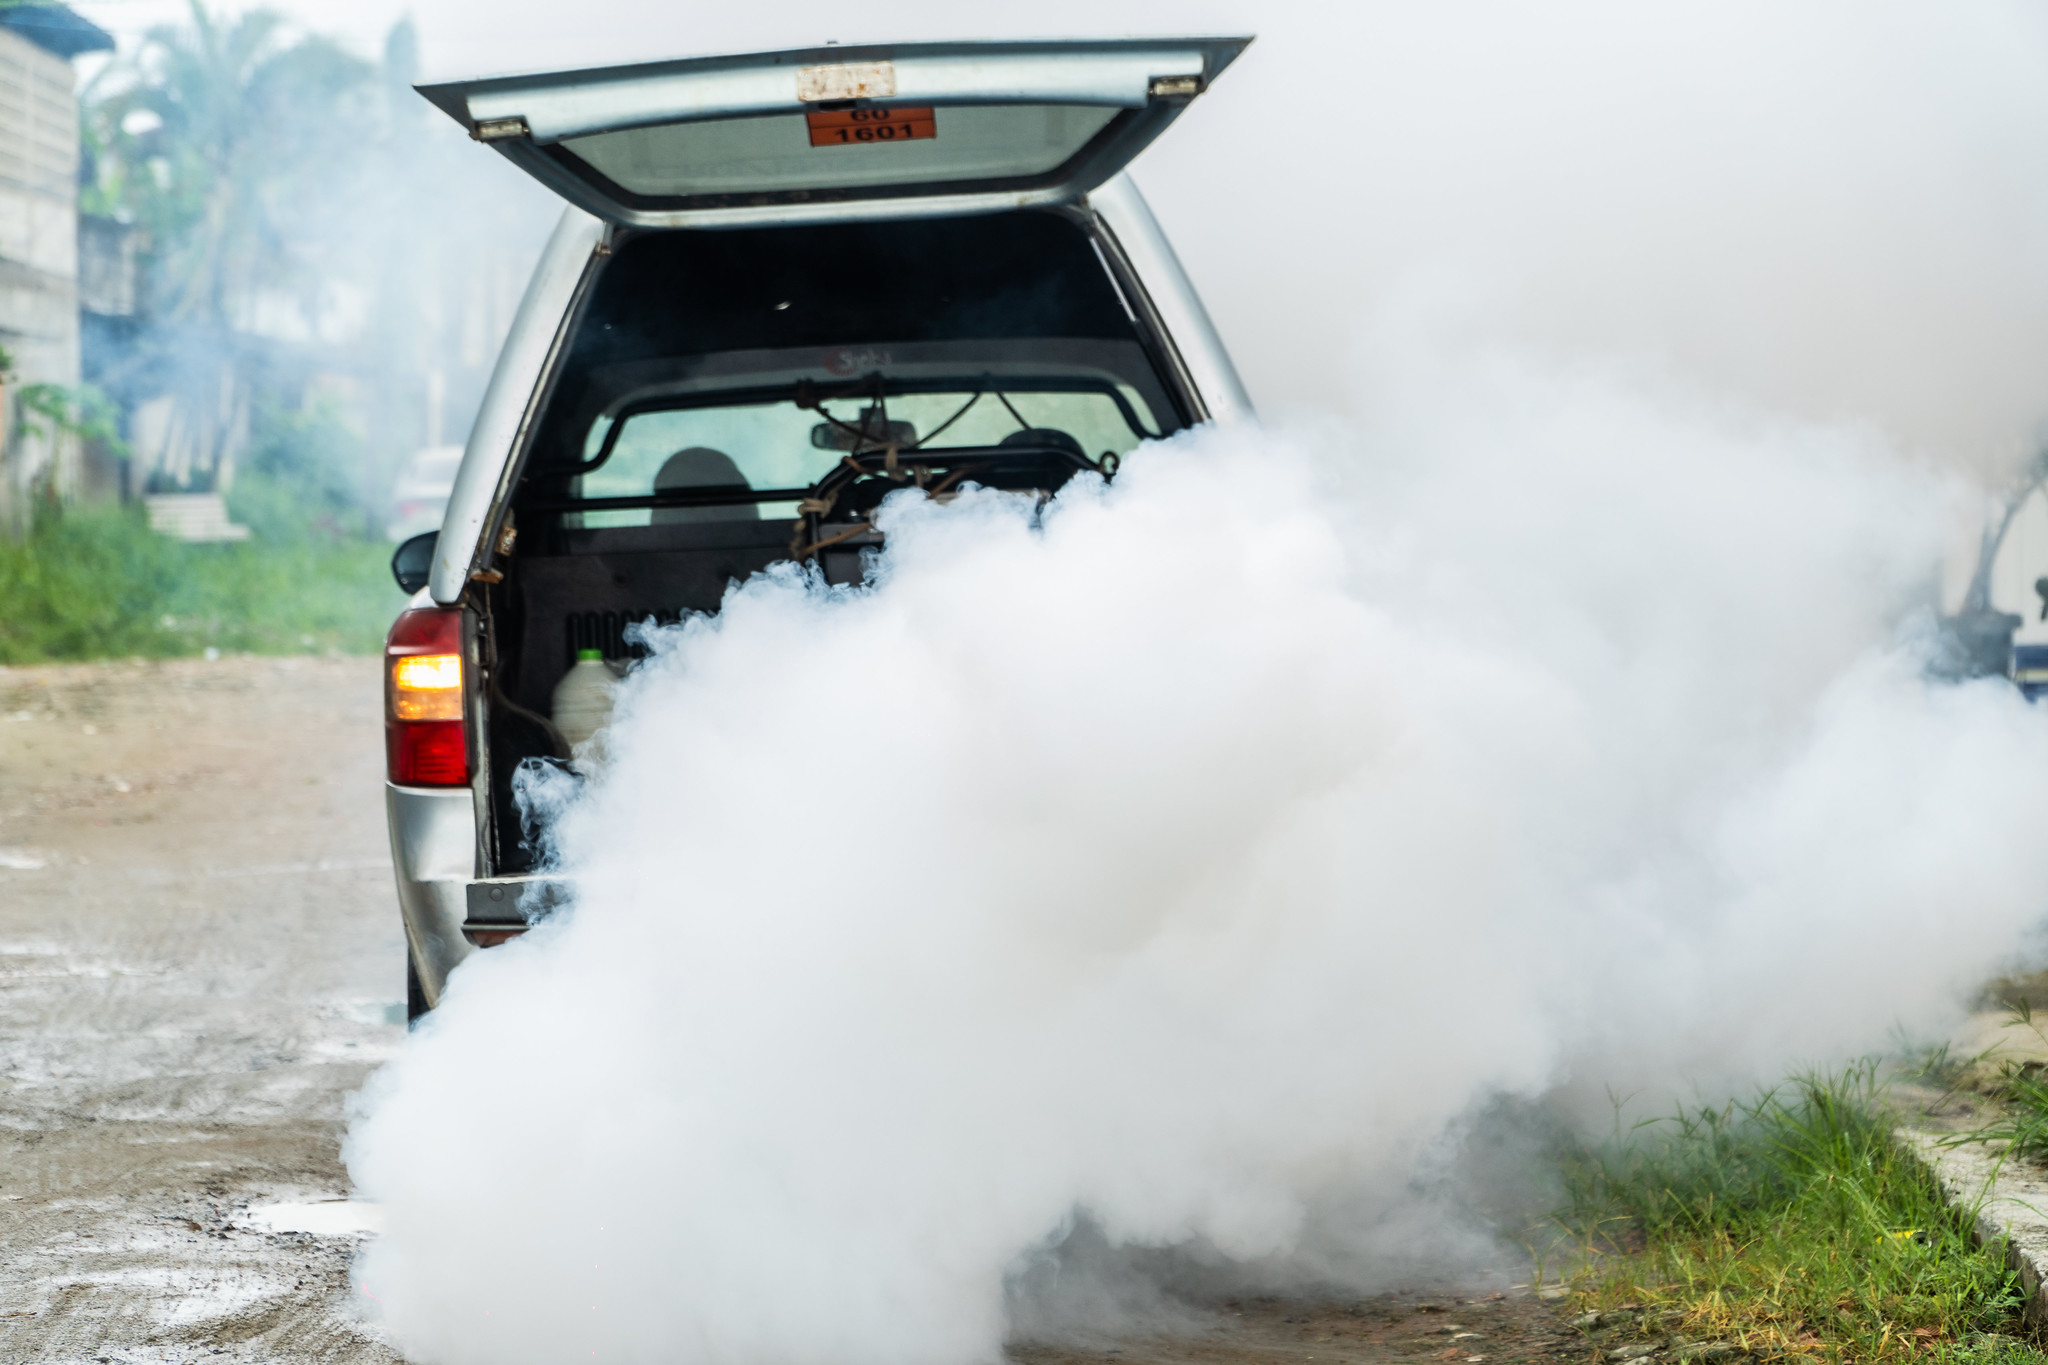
(425, 741)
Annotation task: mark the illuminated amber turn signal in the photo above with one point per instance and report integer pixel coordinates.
(426, 687)
(426, 740)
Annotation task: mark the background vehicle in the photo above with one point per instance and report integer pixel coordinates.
(419, 495)
(788, 284)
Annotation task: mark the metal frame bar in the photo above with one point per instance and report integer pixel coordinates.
(876, 385)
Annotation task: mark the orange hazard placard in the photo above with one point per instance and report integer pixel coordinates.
(849, 127)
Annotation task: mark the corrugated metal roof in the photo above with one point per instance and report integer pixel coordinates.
(55, 28)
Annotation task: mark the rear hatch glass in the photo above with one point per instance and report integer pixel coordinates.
(775, 447)
(746, 365)
(886, 147)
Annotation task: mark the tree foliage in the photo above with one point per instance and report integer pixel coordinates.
(314, 244)
(220, 139)
(245, 154)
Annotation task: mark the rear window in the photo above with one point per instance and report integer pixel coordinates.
(725, 360)
(780, 447)
(834, 149)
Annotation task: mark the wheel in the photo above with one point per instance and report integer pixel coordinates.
(415, 995)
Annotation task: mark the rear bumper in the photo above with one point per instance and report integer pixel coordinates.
(449, 911)
(433, 852)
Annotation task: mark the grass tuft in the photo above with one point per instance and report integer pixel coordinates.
(1793, 1225)
(2021, 1088)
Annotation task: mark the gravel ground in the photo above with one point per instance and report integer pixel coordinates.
(200, 959)
(1504, 1328)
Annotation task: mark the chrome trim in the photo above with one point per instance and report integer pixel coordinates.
(510, 399)
(433, 854)
(1180, 319)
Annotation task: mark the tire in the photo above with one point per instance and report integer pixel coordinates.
(415, 996)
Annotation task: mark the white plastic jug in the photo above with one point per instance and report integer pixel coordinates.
(583, 698)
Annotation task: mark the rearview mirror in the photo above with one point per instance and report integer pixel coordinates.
(413, 562)
(871, 432)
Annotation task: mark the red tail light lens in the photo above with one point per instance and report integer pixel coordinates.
(427, 753)
(425, 741)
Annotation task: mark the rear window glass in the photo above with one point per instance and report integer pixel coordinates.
(781, 446)
(833, 150)
(712, 332)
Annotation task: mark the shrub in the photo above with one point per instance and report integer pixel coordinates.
(90, 583)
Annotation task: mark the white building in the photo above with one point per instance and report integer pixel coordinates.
(39, 233)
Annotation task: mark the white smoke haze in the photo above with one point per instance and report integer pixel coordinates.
(1830, 207)
(1824, 206)
(1538, 710)
(1192, 861)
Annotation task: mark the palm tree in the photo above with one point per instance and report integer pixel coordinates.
(222, 141)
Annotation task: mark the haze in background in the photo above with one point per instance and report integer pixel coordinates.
(1830, 207)
(292, 280)
(317, 269)
(1536, 709)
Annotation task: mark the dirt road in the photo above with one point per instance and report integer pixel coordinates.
(200, 960)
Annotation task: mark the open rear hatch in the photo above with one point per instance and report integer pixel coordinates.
(890, 131)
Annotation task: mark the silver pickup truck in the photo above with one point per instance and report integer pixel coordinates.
(787, 285)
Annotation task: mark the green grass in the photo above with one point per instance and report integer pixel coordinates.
(2025, 1123)
(2021, 1090)
(1790, 1226)
(89, 583)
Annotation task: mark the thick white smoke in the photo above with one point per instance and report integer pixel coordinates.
(1545, 716)
(1193, 860)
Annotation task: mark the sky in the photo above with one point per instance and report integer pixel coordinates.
(362, 24)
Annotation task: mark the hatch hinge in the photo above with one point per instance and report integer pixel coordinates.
(499, 129)
(1174, 87)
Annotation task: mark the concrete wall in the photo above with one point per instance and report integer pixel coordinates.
(38, 255)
